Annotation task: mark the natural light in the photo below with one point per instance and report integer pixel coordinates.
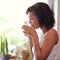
(12, 17)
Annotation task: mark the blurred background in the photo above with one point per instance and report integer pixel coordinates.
(13, 16)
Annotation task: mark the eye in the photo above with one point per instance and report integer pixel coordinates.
(30, 18)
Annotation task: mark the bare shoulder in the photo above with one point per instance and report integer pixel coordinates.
(52, 35)
(50, 40)
(53, 31)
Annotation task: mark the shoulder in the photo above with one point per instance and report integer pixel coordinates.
(52, 36)
(50, 40)
(53, 32)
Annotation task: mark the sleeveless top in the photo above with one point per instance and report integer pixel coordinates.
(53, 52)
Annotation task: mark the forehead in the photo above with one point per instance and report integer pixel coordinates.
(31, 14)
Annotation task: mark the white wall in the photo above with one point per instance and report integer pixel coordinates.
(55, 5)
(58, 28)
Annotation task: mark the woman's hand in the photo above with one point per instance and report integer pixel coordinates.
(29, 30)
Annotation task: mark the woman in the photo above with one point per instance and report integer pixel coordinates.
(41, 16)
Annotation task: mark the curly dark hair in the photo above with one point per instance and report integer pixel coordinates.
(44, 13)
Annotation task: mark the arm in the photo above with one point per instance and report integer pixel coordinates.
(31, 44)
(50, 40)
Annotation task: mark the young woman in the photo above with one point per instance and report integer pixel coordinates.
(41, 16)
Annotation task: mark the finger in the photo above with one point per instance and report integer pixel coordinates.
(25, 27)
(26, 34)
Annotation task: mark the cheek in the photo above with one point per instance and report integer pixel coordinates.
(37, 24)
(34, 24)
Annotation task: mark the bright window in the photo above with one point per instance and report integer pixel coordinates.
(12, 17)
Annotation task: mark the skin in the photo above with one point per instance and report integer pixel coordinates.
(50, 40)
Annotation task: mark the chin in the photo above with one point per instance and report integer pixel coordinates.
(36, 27)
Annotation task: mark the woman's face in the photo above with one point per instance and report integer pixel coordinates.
(33, 20)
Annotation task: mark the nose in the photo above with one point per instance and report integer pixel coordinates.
(30, 21)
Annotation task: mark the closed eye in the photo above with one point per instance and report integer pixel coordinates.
(30, 18)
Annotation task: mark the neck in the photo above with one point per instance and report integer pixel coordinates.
(44, 29)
